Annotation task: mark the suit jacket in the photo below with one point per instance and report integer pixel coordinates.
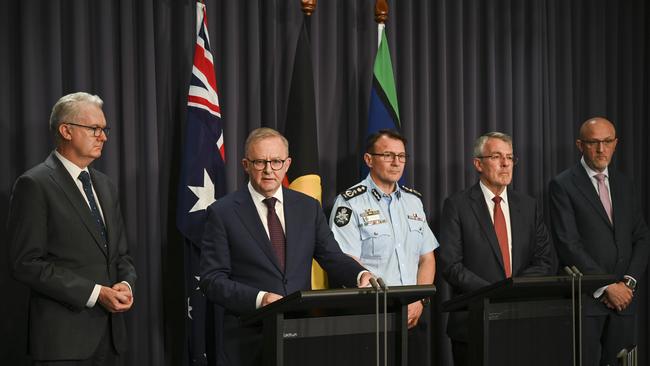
(584, 236)
(237, 261)
(469, 253)
(56, 249)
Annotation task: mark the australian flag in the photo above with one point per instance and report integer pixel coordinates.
(202, 181)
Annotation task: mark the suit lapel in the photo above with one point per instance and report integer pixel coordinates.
(583, 182)
(250, 219)
(514, 205)
(62, 178)
(483, 217)
(617, 197)
(104, 198)
(292, 225)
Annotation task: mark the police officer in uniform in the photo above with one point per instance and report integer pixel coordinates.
(383, 226)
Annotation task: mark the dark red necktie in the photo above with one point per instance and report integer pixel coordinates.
(502, 234)
(276, 233)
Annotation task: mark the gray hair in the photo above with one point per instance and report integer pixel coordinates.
(67, 107)
(261, 134)
(479, 144)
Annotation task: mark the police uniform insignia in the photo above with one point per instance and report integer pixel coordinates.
(411, 191)
(342, 216)
(371, 217)
(414, 216)
(353, 192)
(376, 194)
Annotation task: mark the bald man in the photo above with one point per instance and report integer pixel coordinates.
(598, 227)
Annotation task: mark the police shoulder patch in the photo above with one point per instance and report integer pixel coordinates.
(411, 191)
(342, 216)
(353, 192)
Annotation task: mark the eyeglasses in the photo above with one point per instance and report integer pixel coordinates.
(260, 164)
(498, 158)
(97, 131)
(391, 156)
(594, 143)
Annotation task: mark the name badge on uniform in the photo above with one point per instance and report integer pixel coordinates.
(414, 216)
(372, 217)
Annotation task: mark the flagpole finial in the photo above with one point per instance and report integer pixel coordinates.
(308, 6)
(381, 11)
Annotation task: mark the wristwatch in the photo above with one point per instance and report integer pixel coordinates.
(425, 301)
(630, 283)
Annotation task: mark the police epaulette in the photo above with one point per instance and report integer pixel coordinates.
(411, 191)
(353, 192)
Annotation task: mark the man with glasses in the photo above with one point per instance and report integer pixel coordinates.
(258, 246)
(598, 227)
(490, 233)
(383, 226)
(68, 244)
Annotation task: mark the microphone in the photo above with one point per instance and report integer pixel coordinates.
(381, 283)
(577, 272)
(579, 275)
(571, 273)
(374, 284)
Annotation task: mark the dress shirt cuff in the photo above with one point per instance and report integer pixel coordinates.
(258, 300)
(359, 277)
(628, 276)
(599, 292)
(92, 300)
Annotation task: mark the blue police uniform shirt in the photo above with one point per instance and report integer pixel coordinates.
(387, 233)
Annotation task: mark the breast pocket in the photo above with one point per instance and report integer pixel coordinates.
(376, 240)
(415, 235)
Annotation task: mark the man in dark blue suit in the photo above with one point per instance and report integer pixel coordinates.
(489, 233)
(258, 246)
(598, 227)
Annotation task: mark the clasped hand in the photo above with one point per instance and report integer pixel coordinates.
(116, 299)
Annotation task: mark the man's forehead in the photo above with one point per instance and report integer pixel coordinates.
(389, 142)
(498, 145)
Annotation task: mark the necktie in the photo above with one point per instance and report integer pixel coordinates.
(604, 195)
(502, 234)
(276, 233)
(84, 177)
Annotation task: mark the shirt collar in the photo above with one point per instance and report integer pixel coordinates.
(71, 167)
(487, 193)
(372, 186)
(590, 172)
(258, 197)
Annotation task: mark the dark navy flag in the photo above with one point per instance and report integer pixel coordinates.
(383, 112)
(202, 181)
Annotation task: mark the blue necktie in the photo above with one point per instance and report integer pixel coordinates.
(84, 177)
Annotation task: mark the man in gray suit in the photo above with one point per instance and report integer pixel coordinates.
(490, 232)
(68, 244)
(598, 227)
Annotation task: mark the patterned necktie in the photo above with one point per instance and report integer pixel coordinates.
(604, 195)
(276, 233)
(84, 177)
(502, 234)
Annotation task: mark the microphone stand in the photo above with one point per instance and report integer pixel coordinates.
(375, 285)
(573, 310)
(579, 274)
(385, 288)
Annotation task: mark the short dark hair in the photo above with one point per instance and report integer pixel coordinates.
(390, 133)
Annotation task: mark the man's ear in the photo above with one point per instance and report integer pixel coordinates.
(367, 158)
(64, 132)
(477, 165)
